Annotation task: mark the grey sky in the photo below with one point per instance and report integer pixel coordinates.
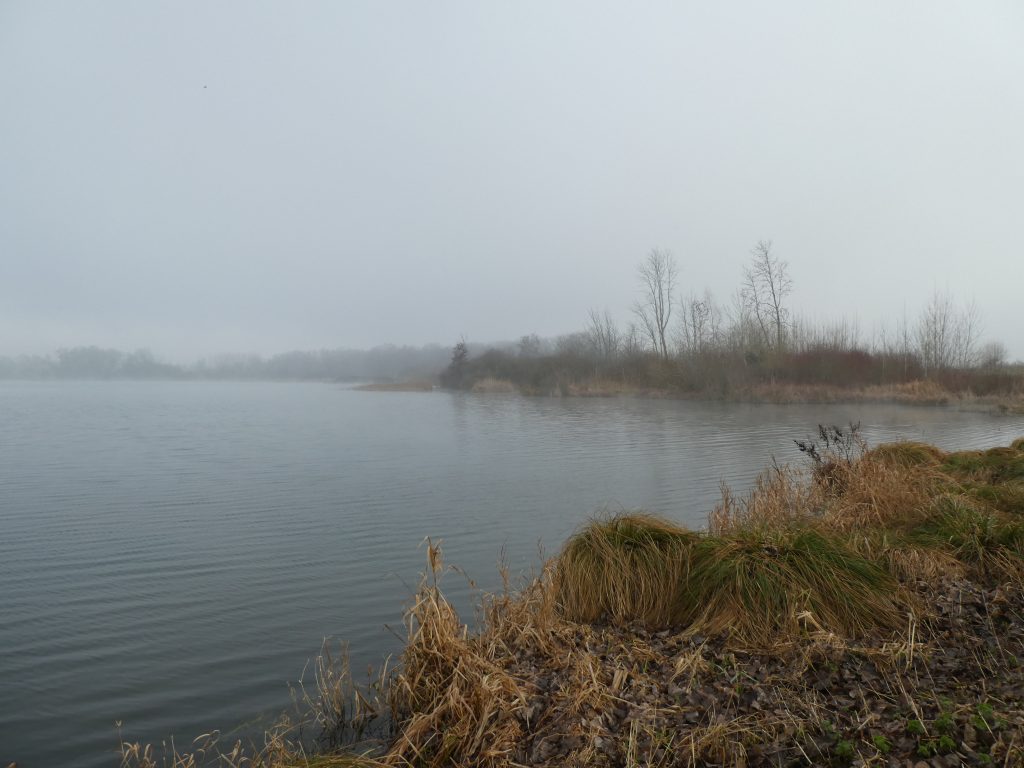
(242, 176)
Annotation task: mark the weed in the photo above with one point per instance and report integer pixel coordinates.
(845, 750)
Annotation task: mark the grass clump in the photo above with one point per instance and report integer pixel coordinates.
(627, 568)
(990, 543)
(906, 454)
(759, 584)
(753, 583)
(996, 465)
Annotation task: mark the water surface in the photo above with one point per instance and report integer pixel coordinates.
(171, 554)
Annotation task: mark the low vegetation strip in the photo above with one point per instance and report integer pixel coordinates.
(865, 610)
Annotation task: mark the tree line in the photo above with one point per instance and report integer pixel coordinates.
(91, 362)
(696, 342)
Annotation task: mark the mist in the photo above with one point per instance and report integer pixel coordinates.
(252, 178)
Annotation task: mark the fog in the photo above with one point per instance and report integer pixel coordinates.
(203, 178)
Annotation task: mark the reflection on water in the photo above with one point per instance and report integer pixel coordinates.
(172, 553)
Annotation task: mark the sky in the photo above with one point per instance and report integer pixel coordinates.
(199, 178)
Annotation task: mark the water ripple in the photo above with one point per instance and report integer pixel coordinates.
(171, 554)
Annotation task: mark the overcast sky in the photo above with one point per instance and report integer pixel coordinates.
(198, 177)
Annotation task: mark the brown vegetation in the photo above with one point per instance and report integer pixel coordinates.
(493, 386)
(417, 385)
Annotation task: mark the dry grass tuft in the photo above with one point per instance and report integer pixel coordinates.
(780, 497)
(906, 454)
(626, 569)
(456, 700)
(877, 493)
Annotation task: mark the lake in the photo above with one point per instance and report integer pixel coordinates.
(172, 553)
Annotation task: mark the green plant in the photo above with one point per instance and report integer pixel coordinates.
(844, 750)
(985, 718)
(946, 744)
(944, 723)
(881, 743)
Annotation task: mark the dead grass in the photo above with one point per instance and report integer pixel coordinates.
(456, 699)
(415, 385)
(627, 568)
(920, 392)
(493, 386)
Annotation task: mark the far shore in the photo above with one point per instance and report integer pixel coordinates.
(921, 392)
(418, 385)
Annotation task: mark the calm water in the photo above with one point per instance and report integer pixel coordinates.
(171, 554)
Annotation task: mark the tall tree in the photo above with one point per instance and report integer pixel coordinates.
(603, 334)
(947, 337)
(766, 285)
(657, 274)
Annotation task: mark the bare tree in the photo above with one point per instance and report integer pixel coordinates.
(934, 333)
(766, 285)
(529, 345)
(947, 337)
(604, 335)
(699, 324)
(633, 342)
(654, 310)
(968, 331)
(992, 355)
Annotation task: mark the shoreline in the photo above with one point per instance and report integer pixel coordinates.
(921, 393)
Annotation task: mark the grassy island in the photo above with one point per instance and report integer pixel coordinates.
(866, 609)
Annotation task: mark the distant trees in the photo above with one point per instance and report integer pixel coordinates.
(654, 308)
(694, 343)
(603, 335)
(530, 345)
(699, 324)
(455, 373)
(386, 362)
(947, 336)
(992, 355)
(766, 285)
